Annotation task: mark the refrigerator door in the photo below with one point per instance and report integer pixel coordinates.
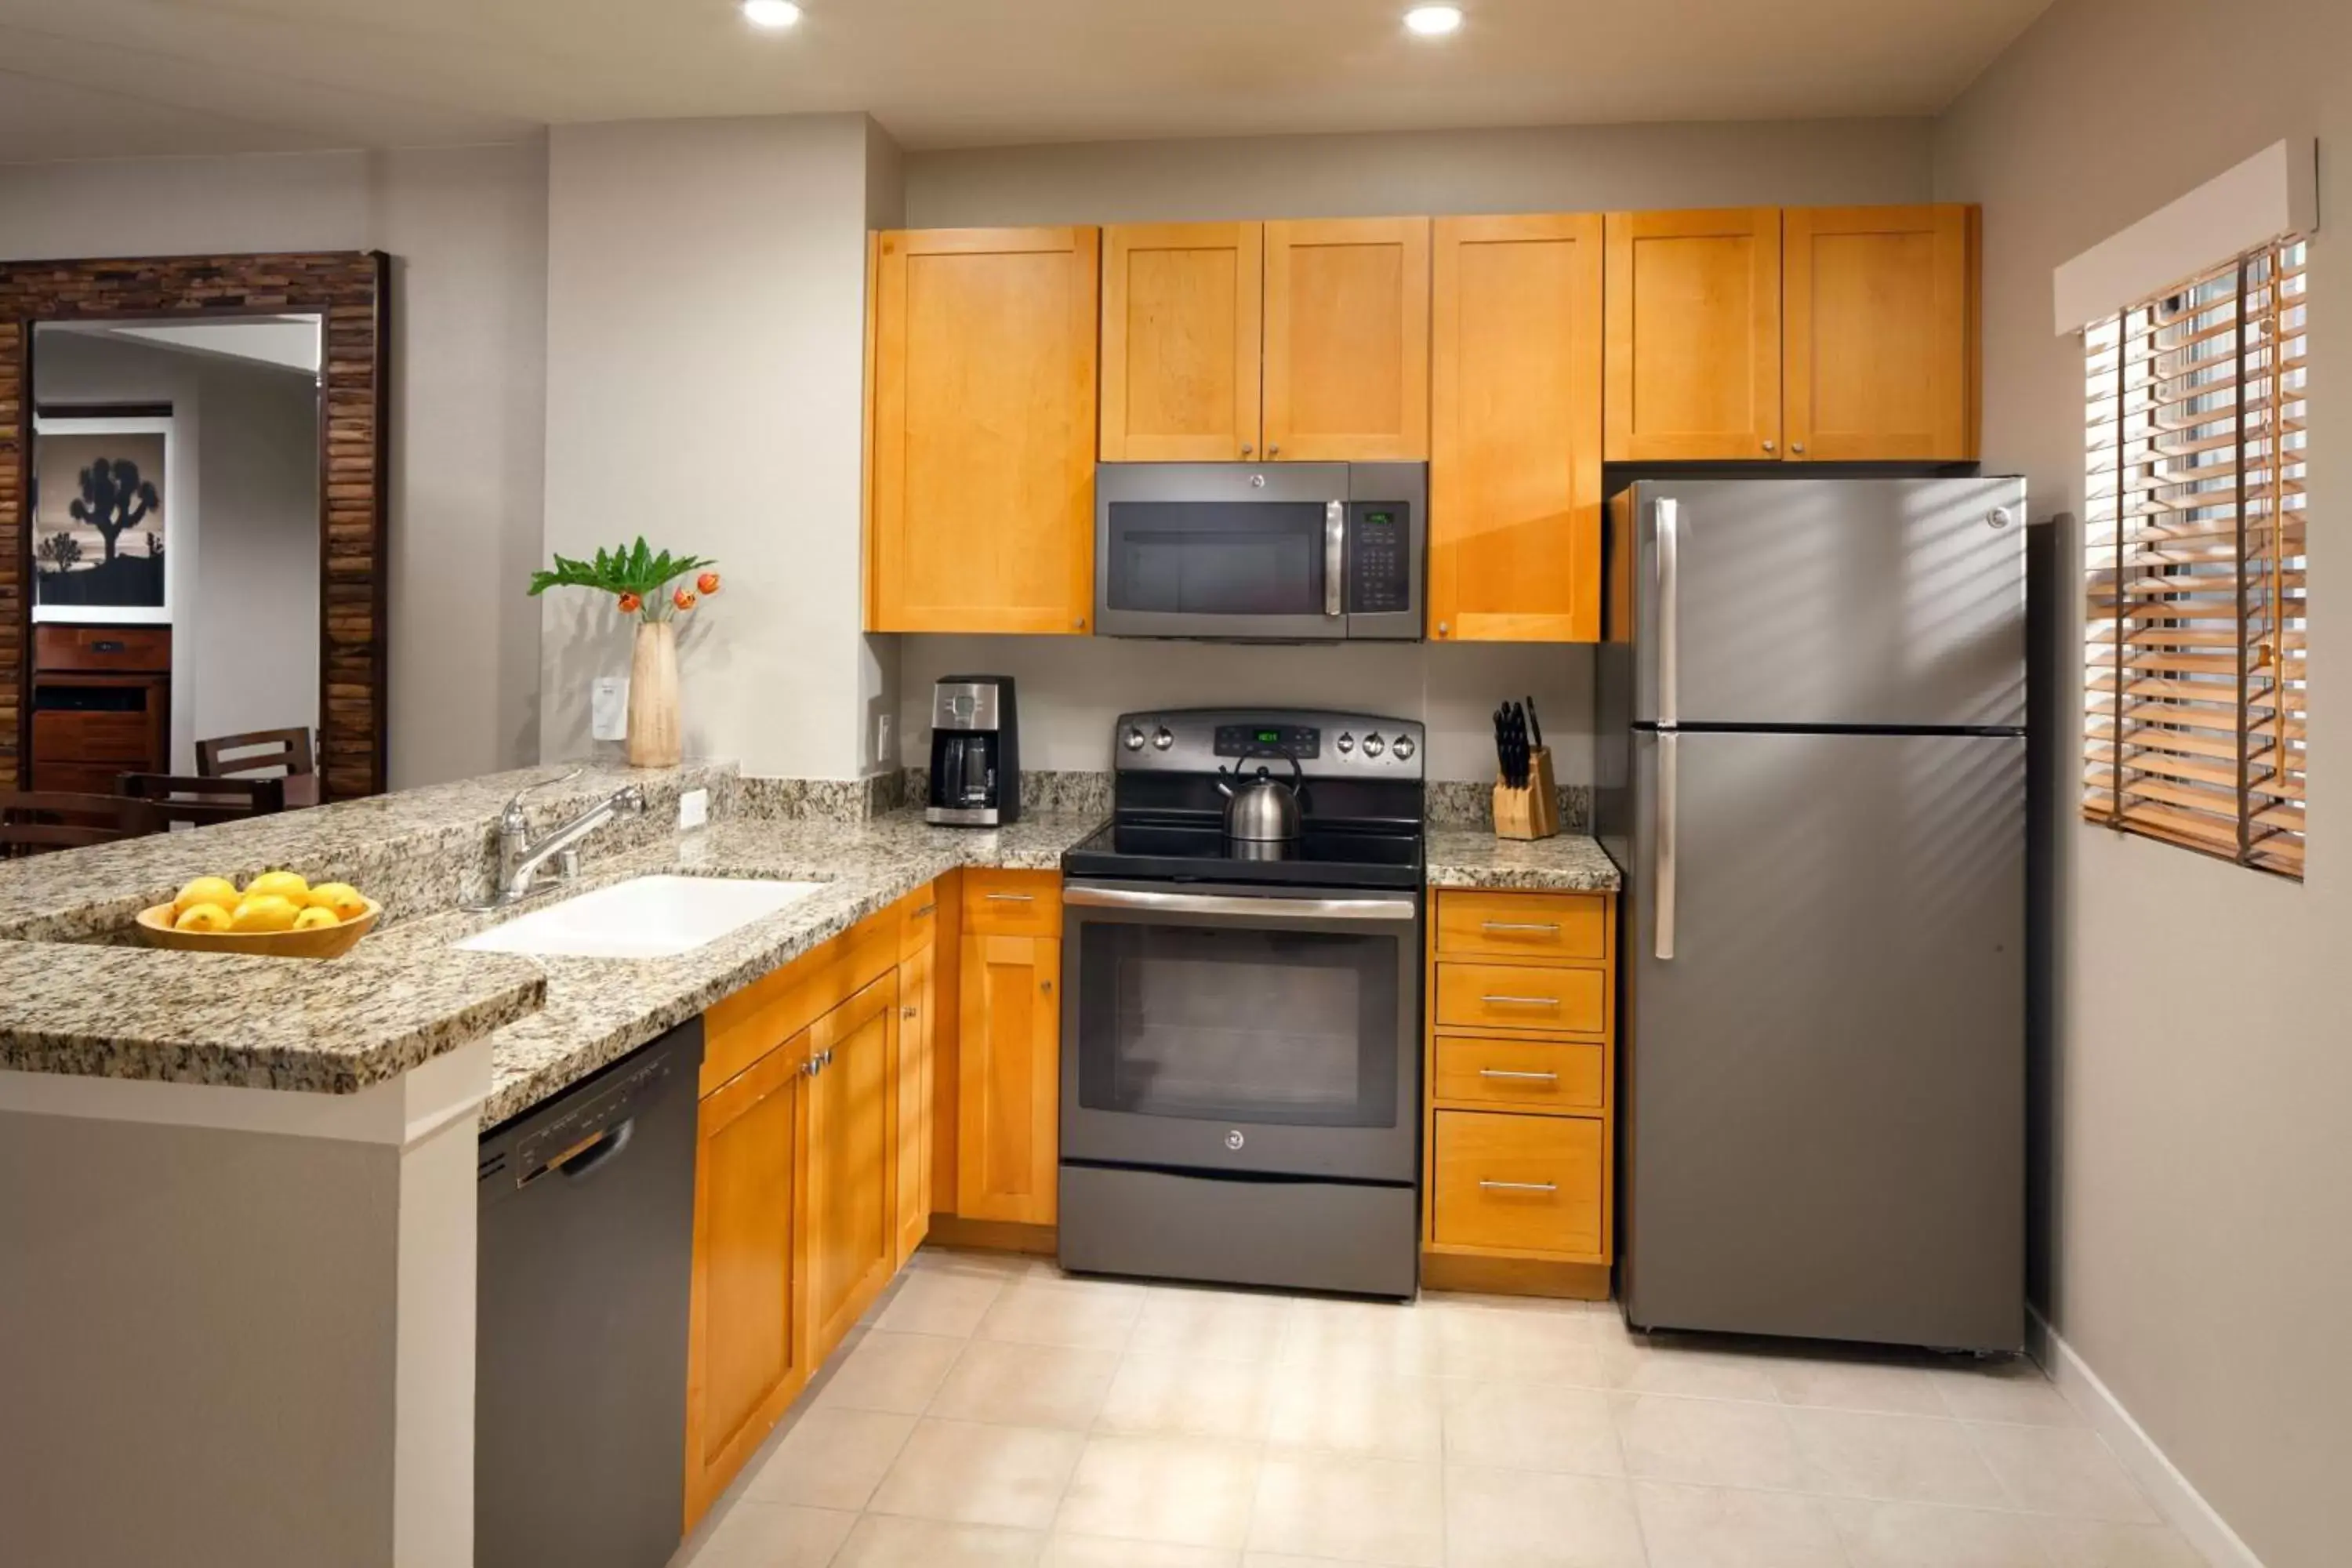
(1855, 602)
(1824, 1083)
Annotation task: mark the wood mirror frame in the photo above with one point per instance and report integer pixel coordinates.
(350, 292)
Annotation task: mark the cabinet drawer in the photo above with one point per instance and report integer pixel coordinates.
(66, 737)
(920, 926)
(128, 648)
(1523, 925)
(1518, 1183)
(1520, 997)
(1533, 1075)
(1013, 903)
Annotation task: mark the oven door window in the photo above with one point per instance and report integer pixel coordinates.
(1230, 1024)
(1216, 557)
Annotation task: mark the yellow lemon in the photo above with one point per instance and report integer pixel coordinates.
(206, 916)
(270, 911)
(315, 917)
(218, 890)
(283, 884)
(340, 899)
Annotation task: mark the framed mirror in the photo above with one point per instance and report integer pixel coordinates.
(193, 519)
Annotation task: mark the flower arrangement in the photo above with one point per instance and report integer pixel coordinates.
(638, 580)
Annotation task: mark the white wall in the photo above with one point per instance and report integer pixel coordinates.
(706, 337)
(2194, 1176)
(467, 229)
(1072, 689)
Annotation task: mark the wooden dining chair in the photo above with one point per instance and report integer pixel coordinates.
(199, 801)
(33, 822)
(268, 749)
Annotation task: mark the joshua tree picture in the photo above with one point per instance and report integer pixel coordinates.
(100, 519)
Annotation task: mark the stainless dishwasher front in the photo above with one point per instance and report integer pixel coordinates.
(586, 1251)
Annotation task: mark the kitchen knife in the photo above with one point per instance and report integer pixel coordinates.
(1535, 725)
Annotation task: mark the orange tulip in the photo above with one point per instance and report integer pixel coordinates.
(683, 598)
(631, 603)
(707, 582)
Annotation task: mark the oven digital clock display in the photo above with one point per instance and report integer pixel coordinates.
(1300, 740)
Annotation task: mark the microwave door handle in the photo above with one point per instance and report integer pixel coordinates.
(1335, 553)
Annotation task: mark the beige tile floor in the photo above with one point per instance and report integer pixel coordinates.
(994, 1411)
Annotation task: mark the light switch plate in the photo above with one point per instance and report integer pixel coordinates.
(608, 708)
(693, 809)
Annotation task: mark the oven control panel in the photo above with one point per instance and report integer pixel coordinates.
(1327, 745)
(1301, 740)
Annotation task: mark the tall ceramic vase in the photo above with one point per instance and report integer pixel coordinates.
(653, 696)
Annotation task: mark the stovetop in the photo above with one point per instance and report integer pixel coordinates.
(1324, 855)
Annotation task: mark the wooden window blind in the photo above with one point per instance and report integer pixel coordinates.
(2193, 683)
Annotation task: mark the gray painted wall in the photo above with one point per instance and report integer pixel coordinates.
(2192, 1176)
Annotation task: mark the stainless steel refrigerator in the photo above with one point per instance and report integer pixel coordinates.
(1812, 712)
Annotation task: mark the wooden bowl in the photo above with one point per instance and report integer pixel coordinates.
(320, 942)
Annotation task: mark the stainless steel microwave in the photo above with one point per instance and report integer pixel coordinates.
(1281, 553)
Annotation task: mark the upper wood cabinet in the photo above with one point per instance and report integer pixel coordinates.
(1880, 329)
(1181, 312)
(1515, 429)
(852, 1229)
(1347, 340)
(1694, 338)
(981, 477)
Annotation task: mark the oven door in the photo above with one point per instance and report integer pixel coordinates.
(1242, 1029)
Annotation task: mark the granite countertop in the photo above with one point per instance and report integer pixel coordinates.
(1474, 858)
(596, 1011)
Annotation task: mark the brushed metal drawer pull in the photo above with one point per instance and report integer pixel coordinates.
(1552, 926)
(1014, 898)
(1506, 1072)
(927, 908)
(1522, 1001)
(1520, 1186)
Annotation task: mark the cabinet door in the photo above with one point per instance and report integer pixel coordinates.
(1009, 1138)
(981, 486)
(912, 1183)
(852, 1229)
(1880, 314)
(1515, 430)
(1180, 329)
(1693, 339)
(748, 1352)
(1347, 340)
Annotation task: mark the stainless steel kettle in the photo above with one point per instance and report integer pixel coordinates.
(1263, 808)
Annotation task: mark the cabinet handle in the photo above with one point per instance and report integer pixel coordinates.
(927, 908)
(1014, 898)
(1247, 448)
(1522, 1001)
(1770, 447)
(1273, 451)
(1443, 629)
(1520, 1186)
(1507, 1072)
(1798, 447)
(1046, 985)
(1552, 926)
(1079, 625)
(907, 1012)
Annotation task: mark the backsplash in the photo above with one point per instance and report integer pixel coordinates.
(1052, 791)
(821, 800)
(1466, 803)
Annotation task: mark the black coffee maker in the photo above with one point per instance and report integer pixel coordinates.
(975, 752)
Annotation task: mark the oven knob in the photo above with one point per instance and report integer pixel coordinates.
(1161, 740)
(1346, 743)
(1403, 748)
(1233, 1139)
(1134, 739)
(1375, 745)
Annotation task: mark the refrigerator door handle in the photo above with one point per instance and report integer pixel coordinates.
(1670, 604)
(1669, 743)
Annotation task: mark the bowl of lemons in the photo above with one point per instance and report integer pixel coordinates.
(276, 915)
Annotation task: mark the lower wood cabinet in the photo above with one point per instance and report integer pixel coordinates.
(1008, 1136)
(1517, 1184)
(917, 1089)
(852, 1222)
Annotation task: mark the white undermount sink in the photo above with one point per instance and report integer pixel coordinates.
(645, 917)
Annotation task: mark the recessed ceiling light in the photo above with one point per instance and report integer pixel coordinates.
(771, 12)
(1433, 21)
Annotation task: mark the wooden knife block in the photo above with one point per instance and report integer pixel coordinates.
(1532, 812)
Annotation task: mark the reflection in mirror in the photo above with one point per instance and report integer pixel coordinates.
(175, 544)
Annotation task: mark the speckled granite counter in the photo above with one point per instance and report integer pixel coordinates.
(598, 1010)
(1474, 858)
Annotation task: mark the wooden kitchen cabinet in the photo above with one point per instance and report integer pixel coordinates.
(1347, 340)
(747, 1350)
(1880, 319)
(1693, 335)
(917, 1084)
(1008, 1049)
(1515, 429)
(1183, 308)
(980, 504)
(852, 1222)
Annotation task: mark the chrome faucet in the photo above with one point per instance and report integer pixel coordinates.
(520, 856)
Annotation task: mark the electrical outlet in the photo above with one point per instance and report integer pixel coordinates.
(608, 708)
(882, 728)
(693, 809)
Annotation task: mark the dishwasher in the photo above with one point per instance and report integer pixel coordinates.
(586, 1209)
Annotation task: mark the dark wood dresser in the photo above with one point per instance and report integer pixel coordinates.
(101, 705)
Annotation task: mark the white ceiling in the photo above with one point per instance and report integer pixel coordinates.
(87, 78)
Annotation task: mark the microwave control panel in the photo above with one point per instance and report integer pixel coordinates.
(1380, 569)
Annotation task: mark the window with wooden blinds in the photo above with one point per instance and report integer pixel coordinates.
(2193, 682)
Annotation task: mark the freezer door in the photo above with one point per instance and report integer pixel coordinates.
(1784, 602)
(1824, 1082)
